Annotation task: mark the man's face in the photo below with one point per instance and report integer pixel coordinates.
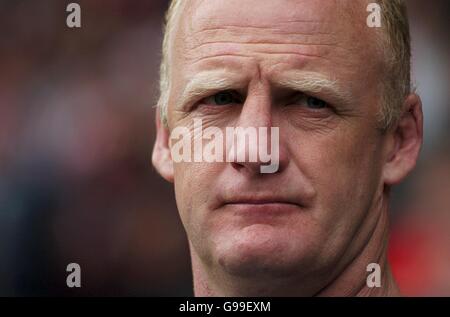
(314, 214)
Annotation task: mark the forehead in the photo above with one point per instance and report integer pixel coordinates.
(257, 12)
(202, 19)
(323, 22)
(327, 34)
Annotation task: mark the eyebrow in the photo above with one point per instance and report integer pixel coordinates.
(209, 82)
(314, 83)
(205, 83)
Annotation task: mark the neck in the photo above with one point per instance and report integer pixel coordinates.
(351, 281)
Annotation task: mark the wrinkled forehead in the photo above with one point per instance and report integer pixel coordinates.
(259, 12)
(206, 20)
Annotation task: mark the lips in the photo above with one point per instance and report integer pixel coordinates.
(261, 210)
(264, 201)
(262, 196)
(259, 201)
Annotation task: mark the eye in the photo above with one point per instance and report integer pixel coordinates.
(315, 103)
(222, 98)
(309, 102)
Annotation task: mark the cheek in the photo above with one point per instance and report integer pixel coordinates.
(344, 167)
(358, 163)
(185, 190)
(192, 191)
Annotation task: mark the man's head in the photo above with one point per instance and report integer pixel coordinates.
(319, 73)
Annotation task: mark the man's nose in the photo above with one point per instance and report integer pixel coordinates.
(257, 117)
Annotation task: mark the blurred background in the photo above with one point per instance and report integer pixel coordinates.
(76, 135)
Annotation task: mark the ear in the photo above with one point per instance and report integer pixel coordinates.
(405, 142)
(162, 158)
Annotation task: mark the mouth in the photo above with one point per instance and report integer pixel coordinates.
(258, 199)
(270, 205)
(259, 202)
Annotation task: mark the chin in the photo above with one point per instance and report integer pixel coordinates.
(260, 250)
